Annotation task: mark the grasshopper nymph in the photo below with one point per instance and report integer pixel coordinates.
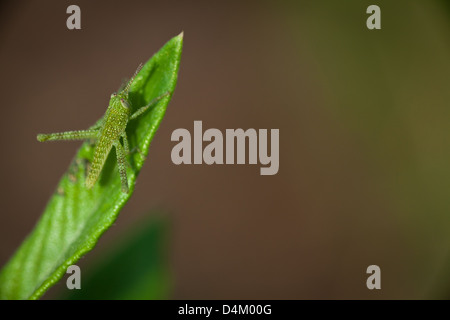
(107, 133)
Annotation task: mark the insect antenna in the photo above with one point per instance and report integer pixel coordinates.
(132, 78)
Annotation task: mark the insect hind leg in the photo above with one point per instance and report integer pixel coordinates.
(126, 147)
(122, 165)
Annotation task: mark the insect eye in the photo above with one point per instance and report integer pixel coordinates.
(124, 103)
(114, 95)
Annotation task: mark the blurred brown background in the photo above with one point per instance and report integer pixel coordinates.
(364, 125)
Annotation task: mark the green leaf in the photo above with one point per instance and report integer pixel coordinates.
(76, 217)
(135, 269)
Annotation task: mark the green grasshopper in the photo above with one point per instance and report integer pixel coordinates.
(107, 133)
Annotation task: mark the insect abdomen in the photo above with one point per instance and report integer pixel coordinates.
(101, 152)
(113, 127)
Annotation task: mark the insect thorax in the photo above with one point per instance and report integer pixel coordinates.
(116, 118)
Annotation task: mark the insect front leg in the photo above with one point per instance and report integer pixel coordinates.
(68, 135)
(145, 108)
(121, 164)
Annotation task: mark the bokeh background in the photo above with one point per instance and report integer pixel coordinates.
(364, 119)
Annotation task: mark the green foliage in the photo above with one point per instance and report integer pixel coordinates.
(76, 217)
(136, 269)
